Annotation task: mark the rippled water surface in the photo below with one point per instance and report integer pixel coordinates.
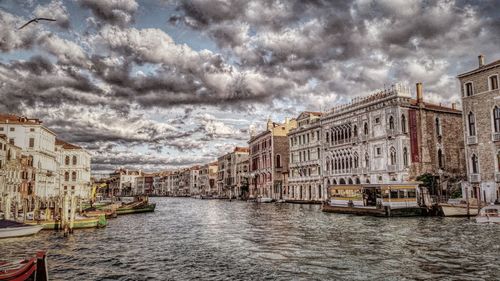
(189, 239)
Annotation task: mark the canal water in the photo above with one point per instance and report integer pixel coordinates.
(190, 239)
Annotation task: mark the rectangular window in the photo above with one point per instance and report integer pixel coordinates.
(1, 129)
(378, 151)
(11, 141)
(32, 142)
(12, 129)
(468, 89)
(377, 120)
(494, 82)
(32, 129)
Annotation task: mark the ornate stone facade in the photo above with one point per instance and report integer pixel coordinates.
(481, 106)
(389, 137)
(304, 181)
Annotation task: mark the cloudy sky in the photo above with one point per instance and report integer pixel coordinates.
(165, 84)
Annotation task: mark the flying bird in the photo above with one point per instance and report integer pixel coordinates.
(35, 20)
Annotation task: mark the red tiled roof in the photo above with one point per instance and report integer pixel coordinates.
(436, 107)
(67, 145)
(241, 149)
(14, 119)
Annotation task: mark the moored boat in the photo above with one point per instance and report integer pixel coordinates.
(33, 269)
(264, 200)
(458, 210)
(387, 200)
(489, 214)
(80, 222)
(10, 229)
(132, 208)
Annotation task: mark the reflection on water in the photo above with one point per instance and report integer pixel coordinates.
(188, 239)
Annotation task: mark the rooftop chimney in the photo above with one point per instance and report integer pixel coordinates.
(420, 95)
(481, 60)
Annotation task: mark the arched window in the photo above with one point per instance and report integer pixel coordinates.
(66, 176)
(66, 160)
(405, 157)
(341, 181)
(355, 130)
(391, 123)
(496, 119)
(474, 164)
(74, 160)
(472, 124)
(367, 160)
(438, 127)
(440, 159)
(403, 123)
(356, 160)
(278, 161)
(349, 181)
(73, 176)
(334, 182)
(393, 155)
(366, 129)
(327, 164)
(327, 137)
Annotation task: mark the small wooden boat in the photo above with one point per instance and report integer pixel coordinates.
(81, 222)
(135, 207)
(33, 269)
(93, 212)
(9, 229)
(489, 214)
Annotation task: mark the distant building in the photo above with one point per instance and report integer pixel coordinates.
(123, 182)
(207, 179)
(74, 169)
(144, 184)
(304, 181)
(481, 106)
(389, 137)
(242, 178)
(227, 172)
(269, 159)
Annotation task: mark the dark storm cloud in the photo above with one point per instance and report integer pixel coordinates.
(99, 89)
(119, 12)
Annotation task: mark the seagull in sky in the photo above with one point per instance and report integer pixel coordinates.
(35, 20)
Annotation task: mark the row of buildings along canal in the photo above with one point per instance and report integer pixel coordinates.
(387, 137)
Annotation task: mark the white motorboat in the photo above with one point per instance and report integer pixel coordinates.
(264, 200)
(9, 229)
(489, 214)
(458, 210)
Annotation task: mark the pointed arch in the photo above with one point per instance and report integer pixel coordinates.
(474, 164)
(391, 122)
(392, 155)
(403, 123)
(496, 119)
(472, 124)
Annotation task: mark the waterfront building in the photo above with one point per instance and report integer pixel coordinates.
(74, 169)
(269, 159)
(242, 172)
(388, 137)
(193, 181)
(207, 179)
(144, 184)
(481, 106)
(10, 171)
(228, 185)
(123, 181)
(304, 181)
(39, 142)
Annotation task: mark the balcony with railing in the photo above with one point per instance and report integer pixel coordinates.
(472, 140)
(474, 178)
